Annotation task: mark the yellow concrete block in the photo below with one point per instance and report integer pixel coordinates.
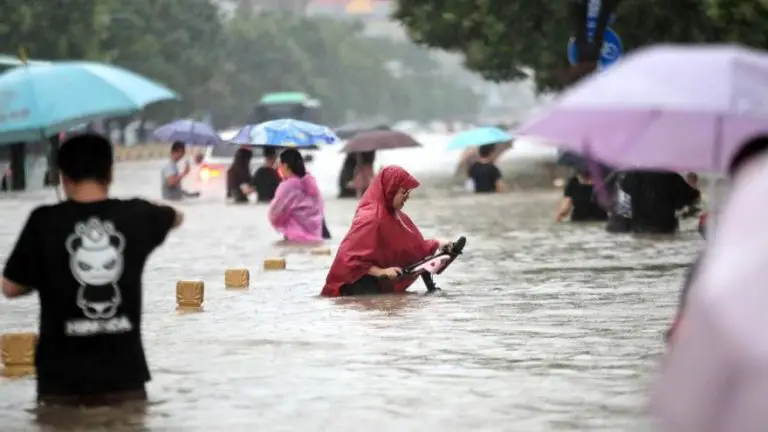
(18, 354)
(237, 278)
(320, 251)
(190, 296)
(274, 264)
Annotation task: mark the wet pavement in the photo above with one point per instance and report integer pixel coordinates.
(543, 326)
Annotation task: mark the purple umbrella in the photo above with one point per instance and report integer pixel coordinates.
(188, 131)
(684, 108)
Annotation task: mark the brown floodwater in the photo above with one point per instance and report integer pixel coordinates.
(542, 326)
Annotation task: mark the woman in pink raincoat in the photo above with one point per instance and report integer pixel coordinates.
(297, 209)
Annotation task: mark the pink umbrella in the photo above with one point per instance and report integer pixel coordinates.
(715, 376)
(669, 106)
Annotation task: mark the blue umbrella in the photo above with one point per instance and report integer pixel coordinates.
(187, 131)
(285, 133)
(478, 137)
(39, 101)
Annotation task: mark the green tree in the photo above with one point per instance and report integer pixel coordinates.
(334, 62)
(176, 42)
(507, 40)
(742, 21)
(54, 30)
(226, 65)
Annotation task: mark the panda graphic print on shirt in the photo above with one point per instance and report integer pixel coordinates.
(96, 262)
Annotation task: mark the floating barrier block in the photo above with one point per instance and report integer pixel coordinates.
(237, 278)
(320, 251)
(190, 296)
(18, 354)
(274, 264)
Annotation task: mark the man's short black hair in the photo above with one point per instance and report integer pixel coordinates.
(177, 146)
(486, 150)
(86, 156)
(270, 152)
(754, 147)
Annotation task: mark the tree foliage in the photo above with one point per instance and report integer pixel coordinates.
(224, 65)
(506, 40)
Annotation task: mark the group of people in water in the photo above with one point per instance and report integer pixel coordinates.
(650, 202)
(296, 207)
(90, 349)
(357, 173)
(85, 258)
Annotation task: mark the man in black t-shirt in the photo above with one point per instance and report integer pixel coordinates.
(266, 179)
(579, 200)
(485, 176)
(85, 257)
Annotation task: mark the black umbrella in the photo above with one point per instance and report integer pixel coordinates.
(351, 130)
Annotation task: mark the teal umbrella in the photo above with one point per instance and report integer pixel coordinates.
(39, 101)
(478, 137)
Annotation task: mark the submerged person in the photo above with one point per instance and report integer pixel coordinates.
(656, 198)
(5, 182)
(580, 200)
(364, 173)
(297, 209)
(346, 175)
(744, 158)
(694, 209)
(484, 174)
(172, 178)
(85, 257)
(620, 216)
(381, 241)
(266, 178)
(713, 378)
(239, 176)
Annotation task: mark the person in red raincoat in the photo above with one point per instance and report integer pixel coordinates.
(380, 242)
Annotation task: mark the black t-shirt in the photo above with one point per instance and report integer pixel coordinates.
(585, 205)
(484, 175)
(656, 196)
(265, 181)
(235, 179)
(86, 262)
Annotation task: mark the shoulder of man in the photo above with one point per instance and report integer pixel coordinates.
(42, 211)
(170, 168)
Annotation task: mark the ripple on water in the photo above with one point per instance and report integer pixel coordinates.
(544, 327)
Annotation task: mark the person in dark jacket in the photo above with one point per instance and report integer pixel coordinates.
(580, 201)
(749, 152)
(266, 178)
(346, 175)
(655, 198)
(239, 176)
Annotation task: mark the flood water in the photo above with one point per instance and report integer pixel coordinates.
(543, 326)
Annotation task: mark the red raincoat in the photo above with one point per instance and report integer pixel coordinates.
(380, 236)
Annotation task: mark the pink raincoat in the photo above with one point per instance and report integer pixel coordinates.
(297, 210)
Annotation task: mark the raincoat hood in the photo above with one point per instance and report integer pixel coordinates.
(308, 185)
(384, 187)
